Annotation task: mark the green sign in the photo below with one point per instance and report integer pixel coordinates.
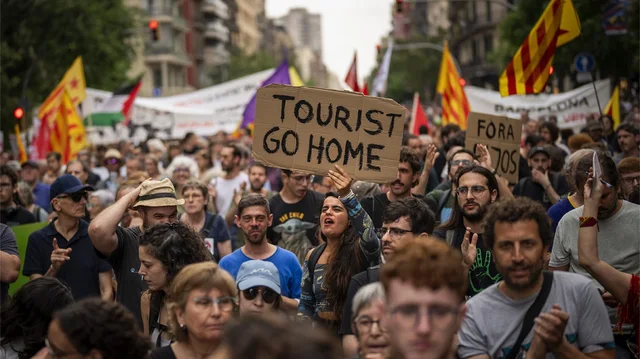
(22, 238)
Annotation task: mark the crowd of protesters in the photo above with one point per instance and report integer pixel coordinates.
(190, 249)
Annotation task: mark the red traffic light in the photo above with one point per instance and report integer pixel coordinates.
(153, 24)
(399, 6)
(462, 82)
(18, 113)
(550, 70)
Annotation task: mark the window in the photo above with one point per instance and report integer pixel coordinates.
(157, 78)
(474, 12)
(488, 44)
(489, 11)
(474, 51)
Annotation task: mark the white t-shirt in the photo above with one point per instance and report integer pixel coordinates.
(224, 189)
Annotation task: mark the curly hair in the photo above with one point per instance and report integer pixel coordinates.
(426, 263)
(26, 317)
(181, 161)
(205, 276)
(420, 216)
(411, 157)
(94, 324)
(514, 210)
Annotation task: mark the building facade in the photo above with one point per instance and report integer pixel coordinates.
(247, 35)
(304, 28)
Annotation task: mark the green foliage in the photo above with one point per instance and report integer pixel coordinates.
(48, 35)
(241, 65)
(616, 56)
(411, 71)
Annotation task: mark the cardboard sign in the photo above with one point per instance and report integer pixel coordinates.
(501, 135)
(312, 129)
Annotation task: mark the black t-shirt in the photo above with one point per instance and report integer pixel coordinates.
(358, 281)
(523, 169)
(297, 220)
(527, 188)
(126, 263)
(163, 353)
(483, 272)
(15, 216)
(80, 272)
(376, 205)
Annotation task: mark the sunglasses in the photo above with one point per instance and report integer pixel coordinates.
(268, 295)
(111, 161)
(76, 197)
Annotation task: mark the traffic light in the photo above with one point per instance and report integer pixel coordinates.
(462, 82)
(153, 26)
(18, 113)
(378, 48)
(399, 6)
(550, 70)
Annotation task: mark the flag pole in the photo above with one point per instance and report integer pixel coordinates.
(593, 82)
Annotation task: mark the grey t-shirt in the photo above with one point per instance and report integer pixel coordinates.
(8, 245)
(493, 320)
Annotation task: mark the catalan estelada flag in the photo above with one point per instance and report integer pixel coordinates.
(528, 71)
(613, 107)
(68, 135)
(455, 106)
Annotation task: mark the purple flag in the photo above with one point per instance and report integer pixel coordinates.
(280, 76)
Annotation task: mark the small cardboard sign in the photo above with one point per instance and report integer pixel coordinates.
(312, 129)
(501, 135)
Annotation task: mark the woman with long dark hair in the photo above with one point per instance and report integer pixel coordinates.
(164, 250)
(350, 247)
(25, 319)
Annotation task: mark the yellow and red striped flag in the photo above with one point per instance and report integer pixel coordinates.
(68, 136)
(613, 107)
(21, 151)
(528, 70)
(73, 83)
(455, 106)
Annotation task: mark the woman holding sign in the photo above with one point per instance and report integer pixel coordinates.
(350, 247)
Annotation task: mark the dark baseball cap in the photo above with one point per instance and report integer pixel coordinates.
(32, 164)
(67, 184)
(534, 151)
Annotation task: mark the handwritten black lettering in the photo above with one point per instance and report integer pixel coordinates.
(354, 153)
(336, 143)
(376, 122)
(319, 115)
(264, 141)
(284, 142)
(393, 121)
(373, 157)
(342, 115)
(319, 147)
(309, 111)
(284, 99)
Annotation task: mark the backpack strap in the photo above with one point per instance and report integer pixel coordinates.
(449, 236)
(444, 197)
(315, 256)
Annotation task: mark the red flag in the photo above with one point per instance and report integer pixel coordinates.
(365, 90)
(418, 117)
(352, 75)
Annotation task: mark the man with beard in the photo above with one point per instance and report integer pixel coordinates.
(230, 159)
(629, 170)
(629, 139)
(253, 218)
(476, 189)
(403, 219)
(406, 178)
(619, 242)
(544, 185)
(156, 203)
(571, 321)
(11, 212)
(296, 212)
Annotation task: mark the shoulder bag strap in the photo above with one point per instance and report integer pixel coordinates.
(532, 313)
(315, 256)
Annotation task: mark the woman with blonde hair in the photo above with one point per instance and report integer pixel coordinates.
(201, 301)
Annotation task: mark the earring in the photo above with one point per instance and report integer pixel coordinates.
(181, 326)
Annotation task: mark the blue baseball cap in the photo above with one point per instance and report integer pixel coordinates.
(256, 273)
(67, 184)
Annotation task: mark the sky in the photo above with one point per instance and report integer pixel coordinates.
(347, 25)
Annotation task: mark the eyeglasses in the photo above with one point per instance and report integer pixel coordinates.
(475, 191)
(365, 324)
(460, 163)
(76, 197)
(629, 180)
(225, 304)
(111, 161)
(52, 353)
(394, 233)
(302, 179)
(181, 170)
(440, 316)
(268, 295)
(5, 185)
(192, 196)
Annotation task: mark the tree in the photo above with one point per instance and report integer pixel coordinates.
(46, 36)
(411, 71)
(241, 65)
(616, 56)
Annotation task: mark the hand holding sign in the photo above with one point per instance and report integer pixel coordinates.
(59, 256)
(341, 180)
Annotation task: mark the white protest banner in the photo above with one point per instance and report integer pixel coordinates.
(311, 129)
(501, 135)
(571, 108)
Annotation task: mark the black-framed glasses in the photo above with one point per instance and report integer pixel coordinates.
(475, 190)
(629, 180)
(76, 197)
(268, 295)
(440, 316)
(364, 324)
(54, 353)
(225, 304)
(6, 185)
(394, 233)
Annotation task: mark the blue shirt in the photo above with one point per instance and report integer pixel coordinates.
(286, 262)
(557, 211)
(80, 272)
(41, 196)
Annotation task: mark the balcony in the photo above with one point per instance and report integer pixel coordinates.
(217, 8)
(217, 55)
(217, 30)
(165, 53)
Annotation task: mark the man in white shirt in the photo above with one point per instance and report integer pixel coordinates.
(230, 158)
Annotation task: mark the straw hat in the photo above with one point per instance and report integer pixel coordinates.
(158, 194)
(113, 153)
